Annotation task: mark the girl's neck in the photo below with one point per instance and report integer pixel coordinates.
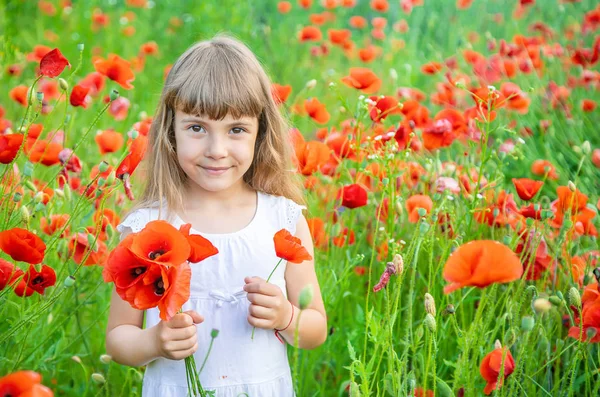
(194, 198)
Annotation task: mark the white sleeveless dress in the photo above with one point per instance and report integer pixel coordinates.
(237, 366)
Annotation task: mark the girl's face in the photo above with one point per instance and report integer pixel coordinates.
(215, 154)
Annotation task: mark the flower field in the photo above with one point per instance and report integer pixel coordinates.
(450, 151)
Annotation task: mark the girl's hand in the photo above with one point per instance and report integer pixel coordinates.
(176, 338)
(269, 308)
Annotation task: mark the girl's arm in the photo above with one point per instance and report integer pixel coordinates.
(312, 330)
(126, 342)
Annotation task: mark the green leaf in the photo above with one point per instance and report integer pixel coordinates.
(442, 388)
(351, 351)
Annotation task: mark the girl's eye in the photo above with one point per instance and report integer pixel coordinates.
(196, 128)
(237, 130)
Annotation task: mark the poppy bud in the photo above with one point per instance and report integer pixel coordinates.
(572, 186)
(59, 193)
(393, 74)
(542, 305)
(134, 134)
(423, 228)
(460, 84)
(50, 318)
(586, 148)
(306, 296)
(62, 83)
(311, 84)
(69, 281)
(28, 169)
(17, 197)
(77, 359)
(555, 300)
(67, 192)
(430, 322)
(98, 378)
(80, 47)
(497, 344)
(114, 94)
(527, 323)
(421, 211)
(429, 304)
(398, 264)
(101, 181)
(105, 359)
(103, 166)
(25, 215)
(574, 297)
(30, 185)
(214, 333)
(39, 96)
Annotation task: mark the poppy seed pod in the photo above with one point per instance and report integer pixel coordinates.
(542, 305)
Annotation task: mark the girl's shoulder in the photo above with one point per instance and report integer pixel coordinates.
(282, 210)
(137, 219)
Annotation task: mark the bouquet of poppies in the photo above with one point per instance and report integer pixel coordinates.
(151, 269)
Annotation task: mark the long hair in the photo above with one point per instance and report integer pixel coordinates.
(214, 78)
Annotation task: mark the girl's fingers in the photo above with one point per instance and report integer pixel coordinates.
(179, 345)
(183, 333)
(260, 299)
(259, 322)
(261, 312)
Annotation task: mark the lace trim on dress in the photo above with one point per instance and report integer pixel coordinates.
(293, 212)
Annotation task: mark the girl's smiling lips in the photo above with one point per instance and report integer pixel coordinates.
(215, 170)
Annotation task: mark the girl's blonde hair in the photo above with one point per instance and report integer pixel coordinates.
(214, 78)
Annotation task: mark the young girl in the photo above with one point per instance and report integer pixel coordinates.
(220, 159)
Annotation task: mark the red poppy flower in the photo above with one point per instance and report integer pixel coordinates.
(78, 96)
(362, 79)
(481, 263)
(590, 316)
(414, 203)
(491, 365)
(24, 383)
(8, 271)
(353, 196)
(543, 167)
(19, 94)
(79, 246)
(312, 156)
(22, 245)
(122, 267)
(109, 141)
(201, 248)
(280, 93)
(167, 288)
(116, 69)
(384, 107)
(53, 63)
(527, 188)
(9, 147)
(317, 231)
(290, 248)
(130, 163)
(160, 243)
(34, 281)
(310, 33)
(316, 110)
(54, 224)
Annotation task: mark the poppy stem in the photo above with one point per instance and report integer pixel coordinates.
(275, 268)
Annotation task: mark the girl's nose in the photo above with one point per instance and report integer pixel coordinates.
(216, 148)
